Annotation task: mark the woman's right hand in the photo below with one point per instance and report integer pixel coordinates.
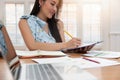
(73, 43)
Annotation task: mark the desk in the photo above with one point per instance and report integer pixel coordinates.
(104, 73)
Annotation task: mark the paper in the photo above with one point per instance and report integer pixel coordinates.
(103, 54)
(52, 60)
(82, 63)
(39, 53)
(83, 48)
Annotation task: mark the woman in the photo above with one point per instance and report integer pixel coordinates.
(41, 30)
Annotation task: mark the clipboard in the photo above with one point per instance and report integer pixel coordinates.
(82, 48)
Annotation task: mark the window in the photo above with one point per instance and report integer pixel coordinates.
(91, 22)
(31, 6)
(68, 16)
(13, 14)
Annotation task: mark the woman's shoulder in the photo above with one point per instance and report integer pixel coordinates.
(25, 16)
(24, 19)
(28, 17)
(32, 20)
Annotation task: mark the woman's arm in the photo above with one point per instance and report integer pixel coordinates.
(34, 45)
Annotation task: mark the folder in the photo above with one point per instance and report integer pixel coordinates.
(81, 49)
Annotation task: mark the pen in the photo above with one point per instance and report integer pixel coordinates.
(99, 42)
(91, 60)
(68, 34)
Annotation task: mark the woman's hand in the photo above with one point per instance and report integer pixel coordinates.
(73, 43)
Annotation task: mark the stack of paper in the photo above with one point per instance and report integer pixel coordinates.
(103, 54)
(39, 53)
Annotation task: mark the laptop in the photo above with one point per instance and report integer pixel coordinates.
(35, 71)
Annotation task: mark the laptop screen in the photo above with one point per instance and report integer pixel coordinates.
(8, 51)
(0, 53)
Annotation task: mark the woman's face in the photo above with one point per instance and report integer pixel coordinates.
(49, 8)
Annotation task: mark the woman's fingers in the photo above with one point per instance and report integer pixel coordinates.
(74, 42)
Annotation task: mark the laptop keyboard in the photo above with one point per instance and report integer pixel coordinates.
(42, 72)
(16, 72)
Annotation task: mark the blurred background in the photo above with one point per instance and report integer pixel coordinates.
(89, 20)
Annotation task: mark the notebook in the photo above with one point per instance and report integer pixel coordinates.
(83, 48)
(38, 71)
(41, 53)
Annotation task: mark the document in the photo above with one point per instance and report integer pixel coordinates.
(82, 48)
(53, 60)
(83, 63)
(39, 53)
(80, 62)
(103, 54)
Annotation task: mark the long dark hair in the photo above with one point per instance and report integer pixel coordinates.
(52, 23)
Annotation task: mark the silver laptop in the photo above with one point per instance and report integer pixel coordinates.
(38, 71)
